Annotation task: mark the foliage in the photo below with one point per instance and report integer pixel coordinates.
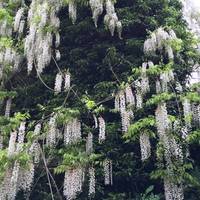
(10, 124)
(193, 97)
(142, 125)
(5, 15)
(100, 65)
(159, 98)
(5, 94)
(73, 157)
(148, 194)
(194, 137)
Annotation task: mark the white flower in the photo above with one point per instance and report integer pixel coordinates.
(58, 83)
(18, 18)
(67, 81)
(72, 10)
(102, 129)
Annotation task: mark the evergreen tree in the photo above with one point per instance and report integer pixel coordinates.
(97, 100)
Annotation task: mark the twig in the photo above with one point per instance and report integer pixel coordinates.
(55, 184)
(115, 75)
(46, 168)
(56, 64)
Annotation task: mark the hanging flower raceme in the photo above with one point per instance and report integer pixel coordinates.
(171, 149)
(139, 95)
(176, 149)
(72, 10)
(8, 56)
(57, 41)
(108, 172)
(89, 143)
(165, 79)
(92, 181)
(58, 83)
(8, 107)
(162, 124)
(89, 150)
(51, 135)
(11, 174)
(72, 131)
(145, 146)
(130, 99)
(97, 9)
(187, 113)
(117, 102)
(5, 185)
(160, 41)
(110, 19)
(126, 117)
(67, 81)
(58, 55)
(172, 191)
(19, 22)
(141, 89)
(73, 182)
(158, 86)
(26, 175)
(35, 147)
(74, 177)
(164, 82)
(14, 172)
(26, 178)
(191, 15)
(95, 121)
(125, 114)
(144, 79)
(39, 41)
(195, 75)
(195, 108)
(12, 142)
(162, 119)
(14, 181)
(102, 129)
(21, 135)
(123, 99)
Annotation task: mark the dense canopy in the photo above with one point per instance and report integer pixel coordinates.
(100, 99)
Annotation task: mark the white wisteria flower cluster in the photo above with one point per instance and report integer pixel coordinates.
(160, 40)
(60, 78)
(110, 19)
(16, 177)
